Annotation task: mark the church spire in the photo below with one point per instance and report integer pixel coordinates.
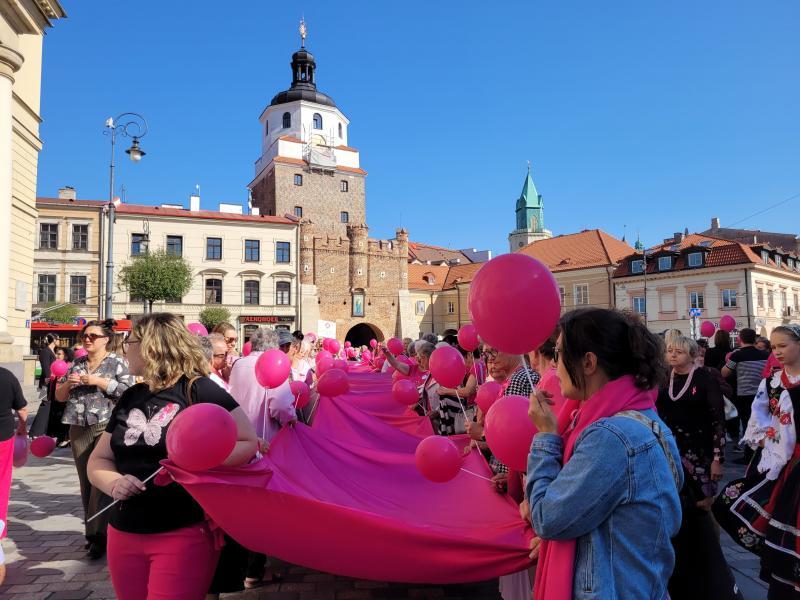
(303, 31)
(529, 216)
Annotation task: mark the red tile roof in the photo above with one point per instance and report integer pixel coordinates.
(138, 209)
(434, 254)
(427, 277)
(584, 250)
(67, 202)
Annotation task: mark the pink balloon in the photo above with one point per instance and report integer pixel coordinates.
(437, 458)
(468, 337)
(351, 352)
(405, 392)
(727, 323)
(366, 356)
(487, 395)
(707, 329)
(20, 450)
(339, 363)
(373, 343)
(447, 366)
(322, 354)
(334, 346)
(325, 342)
(59, 368)
(395, 346)
(273, 368)
(43, 446)
(247, 348)
(301, 392)
(325, 364)
(347, 344)
(509, 431)
(197, 328)
(333, 383)
(514, 303)
(201, 437)
(81, 352)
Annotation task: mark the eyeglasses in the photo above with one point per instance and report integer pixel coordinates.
(92, 337)
(231, 340)
(223, 355)
(127, 344)
(491, 355)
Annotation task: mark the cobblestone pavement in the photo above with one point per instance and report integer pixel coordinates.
(46, 559)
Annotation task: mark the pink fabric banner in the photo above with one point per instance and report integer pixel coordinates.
(345, 496)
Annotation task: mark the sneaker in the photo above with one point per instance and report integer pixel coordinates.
(95, 551)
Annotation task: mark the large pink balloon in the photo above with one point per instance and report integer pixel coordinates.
(322, 354)
(447, 366)
(197, 328)
(43, 446)
(514, 303)
(273, 368)
(20, 450)
(80, 353)
(373, 343)
(509, 431)
(334, 346)
(707, 329)
(201, 437)
(468, 337)
(727, 323)
(405, 392)
(333, 383)
(487, 395)
(301, 392)
(437, 458)
(395, 346)
(247, 348)
(58, 368)
(324, 364)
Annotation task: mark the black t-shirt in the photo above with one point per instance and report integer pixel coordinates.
(11, 399)
(138, 427)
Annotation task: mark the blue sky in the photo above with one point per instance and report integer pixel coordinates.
(654, 116)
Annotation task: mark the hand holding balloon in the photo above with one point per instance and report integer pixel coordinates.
(540, 413)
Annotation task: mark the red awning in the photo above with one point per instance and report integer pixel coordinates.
(122, 325)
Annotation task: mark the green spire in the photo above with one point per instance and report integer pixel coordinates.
(638, 245)
(529, 206)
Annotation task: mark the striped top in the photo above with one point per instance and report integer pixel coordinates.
(748, 364)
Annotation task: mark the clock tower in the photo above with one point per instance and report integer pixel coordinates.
(530, 217)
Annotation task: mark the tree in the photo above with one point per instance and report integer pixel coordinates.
(63, 314)
(212, 316)
(156, 276)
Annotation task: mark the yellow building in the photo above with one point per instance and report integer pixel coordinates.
(22, 27)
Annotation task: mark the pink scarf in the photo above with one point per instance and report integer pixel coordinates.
(555, 569)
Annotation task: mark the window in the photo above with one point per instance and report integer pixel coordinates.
(175, 245)
(562, 292)
(48, 236)
(177, 300)
(283, 293)
(252, 250)
(770, 299)
(784, 302)
(266, 129)
(637, 266)
(138, 244)
(287, 120)
(340, 130)
(790, 264)
(77, 289)
(778, 260)
(639, 305)
(343, 185)
(282, 252)
(251, 292)
(729, 299)
(796, 303)
(213, 291)
(344, 216)
(664, 263)
(298, 179)
(317, 118)
(581, 294)
(80, 237)
(214, 249)
(451, 308)
(761, 297)
(47, 289)
(421, 307)
(298, 212)
(765, 257)
(696, 259)
(696, 300)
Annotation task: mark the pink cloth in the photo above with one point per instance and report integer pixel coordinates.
(255, 399)
(176, 565)
(772, 364)
(550, 383)
(555, 570)
(345, 497)
(6, 466)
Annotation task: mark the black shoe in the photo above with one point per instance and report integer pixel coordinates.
(95, 551)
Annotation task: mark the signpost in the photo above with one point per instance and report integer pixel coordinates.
(695, 314)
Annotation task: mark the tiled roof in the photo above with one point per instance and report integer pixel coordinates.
(427, 277)
(138, 209)
(584, 250)
(67, 202)
(461, 274)
(426, 253)
(788, 241)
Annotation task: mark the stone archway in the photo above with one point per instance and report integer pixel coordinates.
(360, 334)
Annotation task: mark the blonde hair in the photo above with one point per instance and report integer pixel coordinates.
(686, 344)
(671, 335)
(222, 327)
(168, 350)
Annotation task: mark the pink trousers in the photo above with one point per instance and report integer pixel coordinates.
(6, 460)
(176, 565)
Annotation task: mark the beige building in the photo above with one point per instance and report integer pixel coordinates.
(22, 27)
(440, 296)
(756, 284)
(67, 253)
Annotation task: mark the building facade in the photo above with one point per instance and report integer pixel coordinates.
(22, 29)
(440, 296)
(529, 211)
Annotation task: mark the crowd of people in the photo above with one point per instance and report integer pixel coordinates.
(622, 485)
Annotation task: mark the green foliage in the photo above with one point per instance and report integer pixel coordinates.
(212, 316)
(62, 314)
(156, 276)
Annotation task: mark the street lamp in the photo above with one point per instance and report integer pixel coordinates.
(132, 125)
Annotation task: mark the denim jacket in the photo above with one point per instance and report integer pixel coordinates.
(617, 497)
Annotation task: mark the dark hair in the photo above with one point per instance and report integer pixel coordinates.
(764, 341)
(548, 347)
(702, 343)
(50, 338)
(722, 339)
(793, 331)
(450, 339)
(747, 335)
(621, 343)
(298, 335)
(107, 326)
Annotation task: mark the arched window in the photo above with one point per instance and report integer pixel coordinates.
(317, 121)
(213, 291)
(287, 120)
(251, 292)
(283, 293)
(340, 131)
(266, 128)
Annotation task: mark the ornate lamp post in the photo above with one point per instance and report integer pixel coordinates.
(132, 125)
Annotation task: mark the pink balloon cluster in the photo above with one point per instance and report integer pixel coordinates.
(324, 361)
(331, 345)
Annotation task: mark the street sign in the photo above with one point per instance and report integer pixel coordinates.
(695, 312)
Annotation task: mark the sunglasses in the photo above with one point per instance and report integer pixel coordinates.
(92, 337)
(231, 340)
(491, 354)
(127, 344)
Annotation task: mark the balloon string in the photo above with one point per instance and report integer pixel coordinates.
(97, 514)
(466, 418)
(477, 475)
(530, 380)
(266, 408)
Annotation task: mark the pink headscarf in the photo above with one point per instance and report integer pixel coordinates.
(555, 570)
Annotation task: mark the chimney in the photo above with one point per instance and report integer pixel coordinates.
(67, 193)
(194, 202)
(677, 238)
(255, 211)
(715, 223)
